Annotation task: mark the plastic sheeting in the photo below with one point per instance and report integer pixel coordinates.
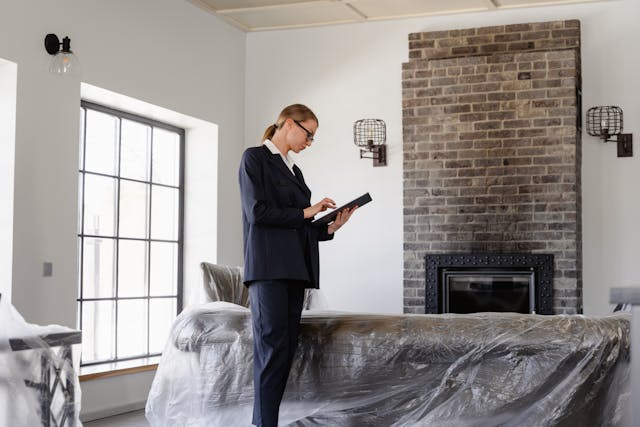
(484, 369)
(20, 405)
(224, 283)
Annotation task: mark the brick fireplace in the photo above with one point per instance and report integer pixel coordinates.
(491, 130)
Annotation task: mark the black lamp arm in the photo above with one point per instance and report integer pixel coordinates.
(378, 154)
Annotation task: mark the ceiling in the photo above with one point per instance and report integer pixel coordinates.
(259, 15)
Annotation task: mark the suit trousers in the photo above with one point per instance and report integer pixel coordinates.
(276, 307)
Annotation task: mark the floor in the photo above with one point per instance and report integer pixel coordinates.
(130, 419)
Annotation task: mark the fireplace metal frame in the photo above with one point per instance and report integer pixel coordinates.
(541, 264)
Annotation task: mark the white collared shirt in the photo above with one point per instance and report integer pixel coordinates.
(288, 160)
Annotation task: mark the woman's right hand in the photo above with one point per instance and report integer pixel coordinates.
(321, 206)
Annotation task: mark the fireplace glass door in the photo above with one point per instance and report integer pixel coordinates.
(482, 291)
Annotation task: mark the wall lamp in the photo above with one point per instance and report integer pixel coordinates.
(605, 122)
(370, 135)
(63, 61)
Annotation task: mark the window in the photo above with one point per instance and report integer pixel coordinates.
(130, 233)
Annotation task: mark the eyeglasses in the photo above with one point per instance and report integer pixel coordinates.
(309, 134)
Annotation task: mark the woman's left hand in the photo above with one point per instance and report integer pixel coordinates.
(342, 217)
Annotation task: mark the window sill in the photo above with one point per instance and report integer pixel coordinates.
(106, 370)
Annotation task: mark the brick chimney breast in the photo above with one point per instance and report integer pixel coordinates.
(492, 153)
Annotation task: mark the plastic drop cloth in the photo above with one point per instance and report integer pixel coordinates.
(20, 404)
(484, 369)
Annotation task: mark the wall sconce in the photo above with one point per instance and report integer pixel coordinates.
(605, 122)
(370, 135)
(63, 61)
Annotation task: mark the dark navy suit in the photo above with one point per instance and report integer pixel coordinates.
(280, 260)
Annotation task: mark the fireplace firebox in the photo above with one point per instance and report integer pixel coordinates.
(471, 283)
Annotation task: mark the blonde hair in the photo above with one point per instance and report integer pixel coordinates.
(295, 112)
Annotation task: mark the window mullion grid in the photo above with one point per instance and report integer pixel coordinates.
(120, 116)
(149, 240)
(117, 236)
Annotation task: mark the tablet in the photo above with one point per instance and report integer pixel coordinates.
(330, 217)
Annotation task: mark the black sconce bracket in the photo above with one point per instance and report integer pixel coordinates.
(52, 44)
(624, 141)
(378, 154)
(625, 144)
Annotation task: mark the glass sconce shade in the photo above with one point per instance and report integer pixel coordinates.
(65, 63)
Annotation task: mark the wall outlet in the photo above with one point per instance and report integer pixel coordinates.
(47, 269)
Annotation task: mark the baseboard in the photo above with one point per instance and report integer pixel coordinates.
(104, 413)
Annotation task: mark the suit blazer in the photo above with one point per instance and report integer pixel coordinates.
(278, 242)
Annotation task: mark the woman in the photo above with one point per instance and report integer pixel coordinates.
(280, 250)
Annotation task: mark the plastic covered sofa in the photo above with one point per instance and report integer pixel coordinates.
(351, 369)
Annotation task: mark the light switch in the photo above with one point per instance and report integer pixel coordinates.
(47, 269)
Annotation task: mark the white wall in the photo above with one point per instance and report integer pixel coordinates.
(8, 82)
(165, 52)
(117, 394)
(353, 71)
